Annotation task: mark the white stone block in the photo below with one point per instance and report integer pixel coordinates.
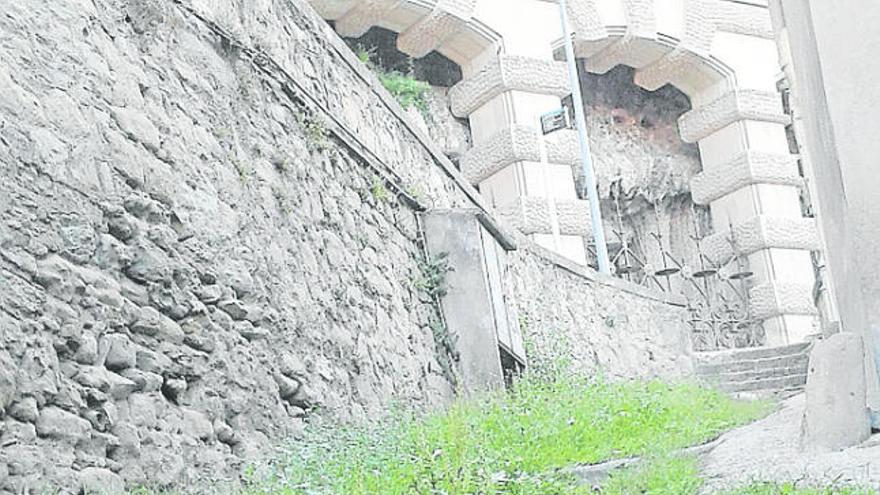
(734, 106)
(836, 413)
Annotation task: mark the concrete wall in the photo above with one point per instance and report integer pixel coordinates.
(829, 55)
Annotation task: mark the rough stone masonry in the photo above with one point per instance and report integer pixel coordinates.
(188, 263)
(191, 262)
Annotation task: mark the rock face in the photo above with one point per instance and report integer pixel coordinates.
(836, 415)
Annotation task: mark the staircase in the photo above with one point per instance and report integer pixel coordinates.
(767, 372)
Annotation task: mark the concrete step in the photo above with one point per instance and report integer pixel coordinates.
(739, 355)
(760, 374)
(785, 361)
(772, 384)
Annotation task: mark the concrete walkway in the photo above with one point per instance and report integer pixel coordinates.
(767, 450)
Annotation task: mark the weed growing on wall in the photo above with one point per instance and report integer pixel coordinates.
(431, 278)
(281, 199)
(414, 192)
(313, 130)
(365, 55)
(378, 190)
(549, 357)
(446, 349)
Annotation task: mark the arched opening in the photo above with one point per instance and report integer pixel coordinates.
(653, 226)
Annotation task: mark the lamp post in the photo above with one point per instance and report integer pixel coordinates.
(586, 159)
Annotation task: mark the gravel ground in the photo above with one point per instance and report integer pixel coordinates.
(768, 450)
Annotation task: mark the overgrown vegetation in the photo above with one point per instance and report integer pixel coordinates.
(406, 89)
(446, 349)
(512, 443)
(662, 475)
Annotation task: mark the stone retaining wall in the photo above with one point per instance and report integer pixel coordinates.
(207, 230)
(575, 320)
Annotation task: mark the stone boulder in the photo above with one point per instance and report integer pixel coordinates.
(836, 414)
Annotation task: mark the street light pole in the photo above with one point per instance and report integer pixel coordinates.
(586, 160)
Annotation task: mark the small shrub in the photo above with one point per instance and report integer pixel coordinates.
(446, 349)
(408, 91)
(431, 278)
(281, 199)
(313, 130)
(378, 190)
(414, 192)
(365, 55)
(665, 475)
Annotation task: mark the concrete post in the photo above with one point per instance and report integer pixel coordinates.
(828, 52)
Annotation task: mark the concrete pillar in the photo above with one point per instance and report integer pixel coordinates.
(478, 320)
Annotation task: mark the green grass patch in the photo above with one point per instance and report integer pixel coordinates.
(509, 443)
(664, 475)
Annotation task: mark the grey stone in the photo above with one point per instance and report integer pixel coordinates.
(209, 294)
(87, 350)
(234, 308)
(148, 264)
(224, 432)
(98, 481)
(121, 352)
(144, 380)
(836, 413)
(7, 384)
(145, 208)
(152, 323)
(59, 424)
(287, 387)
(16, 432)
(197, 424)
(137, 127)
(249, 331)
(153, 362)
(129, 442)
(96, 377)
(173, 388)
(25, 410)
